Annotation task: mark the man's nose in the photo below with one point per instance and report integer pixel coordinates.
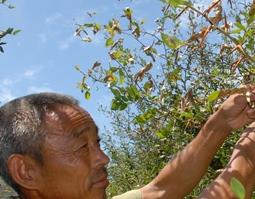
(99, 158)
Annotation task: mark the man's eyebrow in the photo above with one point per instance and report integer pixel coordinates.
(78, 132)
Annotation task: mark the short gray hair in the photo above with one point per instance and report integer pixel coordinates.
(22, 127)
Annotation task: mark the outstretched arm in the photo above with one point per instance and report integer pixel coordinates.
(240, 166)
(181, 174)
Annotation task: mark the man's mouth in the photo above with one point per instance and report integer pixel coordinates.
(101, 183)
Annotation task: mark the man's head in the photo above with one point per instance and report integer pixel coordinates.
(49, 148)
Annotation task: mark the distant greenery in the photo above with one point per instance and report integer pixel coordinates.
(8, 31)
(167, 81)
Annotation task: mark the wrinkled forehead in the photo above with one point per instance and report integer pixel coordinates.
(66, 118)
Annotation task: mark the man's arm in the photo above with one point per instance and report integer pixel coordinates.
(181, 174)
(240, 166)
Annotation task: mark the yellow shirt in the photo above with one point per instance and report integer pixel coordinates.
(134, 194)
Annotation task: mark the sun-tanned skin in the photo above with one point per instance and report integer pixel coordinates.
(74, 164)
(241, 166)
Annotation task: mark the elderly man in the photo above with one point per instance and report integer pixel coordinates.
(50, 149)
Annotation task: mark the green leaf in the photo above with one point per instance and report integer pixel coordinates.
(16, 32)
(143, 118)
(87, 95)
(161, 134)
(140, 119)
(116, 93)
(86, 39)
(148, 86)
(121, 77)
(240, 26)
(251, 19)
(128, 12)
(178, 3)
(213, 96)
(171, 42)
(115, 105)
(109, 42)
(9, 30)
(164, 132)
(96, 28)
(237, 188)
(186, 115)
(118, 105)
(1, 49)
(88, 25)
(133, 93)
(116, 54)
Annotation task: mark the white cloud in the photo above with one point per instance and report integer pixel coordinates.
(54, 18)
(6, 95)
(7, 82)
(35, 89)
(65, 44)
(9, 85)
(30, 73)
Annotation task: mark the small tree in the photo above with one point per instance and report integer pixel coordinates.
(166, 82)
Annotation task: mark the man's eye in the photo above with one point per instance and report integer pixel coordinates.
(84, 146)
(98, 142)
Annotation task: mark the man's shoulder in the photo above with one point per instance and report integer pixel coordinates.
(134, 194)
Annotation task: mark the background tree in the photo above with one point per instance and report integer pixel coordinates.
(166, 82)
(8, 31)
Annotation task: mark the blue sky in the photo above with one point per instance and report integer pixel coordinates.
(42, 57)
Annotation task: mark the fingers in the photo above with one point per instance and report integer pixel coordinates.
(251, 103)
(251, 114)
(250, 96)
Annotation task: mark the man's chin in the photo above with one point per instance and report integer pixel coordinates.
(99, 194)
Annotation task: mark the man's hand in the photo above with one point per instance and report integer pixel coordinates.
(241, 166)
(236, 111)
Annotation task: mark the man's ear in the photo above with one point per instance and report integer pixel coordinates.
(23, 170)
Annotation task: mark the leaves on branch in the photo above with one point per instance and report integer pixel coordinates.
(91, 14)
(236, 63)
(136, 30)
(141, 73)
(149, 51)
(187, 100)
(116, 54)
(95, 65)
(148, 86)
(155, 100)
(172, 42)
(225, 93)
(178, 3)
(218, 13)
(113, 27)
(8, 31)
(128, 14)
